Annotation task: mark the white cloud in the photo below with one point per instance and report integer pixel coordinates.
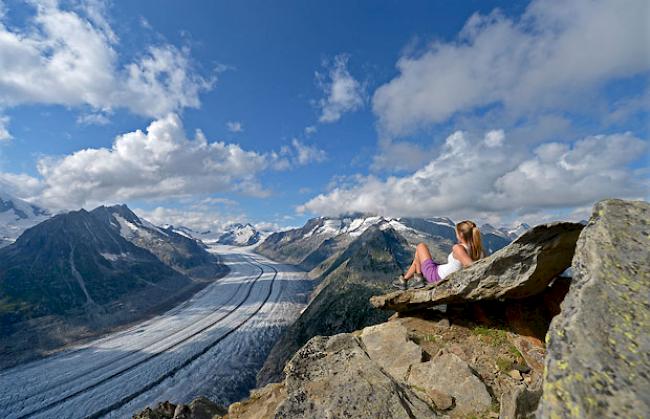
(305, 154)
(234, 126)
(5, 135)
(469, 177)
(342, 92)
(309, 130)
(556, 56)
(298, 154)
(20, 185)
(156, 164)
(200, 221)
(69, 58)
(495, 138)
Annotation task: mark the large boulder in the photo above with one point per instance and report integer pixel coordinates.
(388, 345)
(523, 268)
(334, 378)
(598, 347)
(448, 374)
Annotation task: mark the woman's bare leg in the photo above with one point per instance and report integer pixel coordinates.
(421, 254)
(415, 267)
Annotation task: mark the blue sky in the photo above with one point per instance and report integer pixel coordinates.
(496, 111)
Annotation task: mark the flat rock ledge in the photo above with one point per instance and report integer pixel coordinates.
(523, 268)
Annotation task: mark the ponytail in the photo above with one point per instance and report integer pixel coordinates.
(476, 244)
(472, 235)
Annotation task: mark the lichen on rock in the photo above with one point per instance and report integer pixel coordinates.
(598, 353)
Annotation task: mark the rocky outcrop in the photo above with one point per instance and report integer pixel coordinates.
(381, 372)
(598, 353)
(199, 408)
(334, 377)
(523, 268)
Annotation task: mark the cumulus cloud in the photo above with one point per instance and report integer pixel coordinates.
(158, 163)
(473, 176)
(161, 162)
(69, 57)
(343, 93)
(546, 59)
(20, 184)
(234, 126)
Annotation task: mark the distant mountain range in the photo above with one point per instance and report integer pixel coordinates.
(16, 216)
(81, 272)
(235, 234)
(354, 257)
(240, 235)
(507, 232)
(321, 237)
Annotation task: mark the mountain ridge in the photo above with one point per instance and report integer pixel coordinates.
(74, 276)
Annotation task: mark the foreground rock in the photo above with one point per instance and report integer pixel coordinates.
(200, 408)
(598, 362)
(388, 344)
(331, 378)
(523, 268)
(450, 375)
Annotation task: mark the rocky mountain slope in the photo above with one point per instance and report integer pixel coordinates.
(16, 216)
(80, 273)
(183, 253)
(484, 355)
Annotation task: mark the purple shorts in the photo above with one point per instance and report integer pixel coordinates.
(430, 270)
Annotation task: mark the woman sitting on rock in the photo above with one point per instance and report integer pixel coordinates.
(463, 254)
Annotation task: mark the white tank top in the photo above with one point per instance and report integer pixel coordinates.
(451, 266)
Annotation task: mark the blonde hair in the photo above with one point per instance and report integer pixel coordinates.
(472, 236)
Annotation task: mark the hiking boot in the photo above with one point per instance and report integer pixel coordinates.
(400, 283)
(417, 281)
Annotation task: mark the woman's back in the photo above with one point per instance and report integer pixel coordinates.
(452, 264)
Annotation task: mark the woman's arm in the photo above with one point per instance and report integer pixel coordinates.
(461, 255)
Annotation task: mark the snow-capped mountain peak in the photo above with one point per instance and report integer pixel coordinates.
(518, 230)
(17, 215)
(352, 226)
(508, 232)
(238, 234)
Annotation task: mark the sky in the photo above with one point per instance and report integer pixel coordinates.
(202, 113)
